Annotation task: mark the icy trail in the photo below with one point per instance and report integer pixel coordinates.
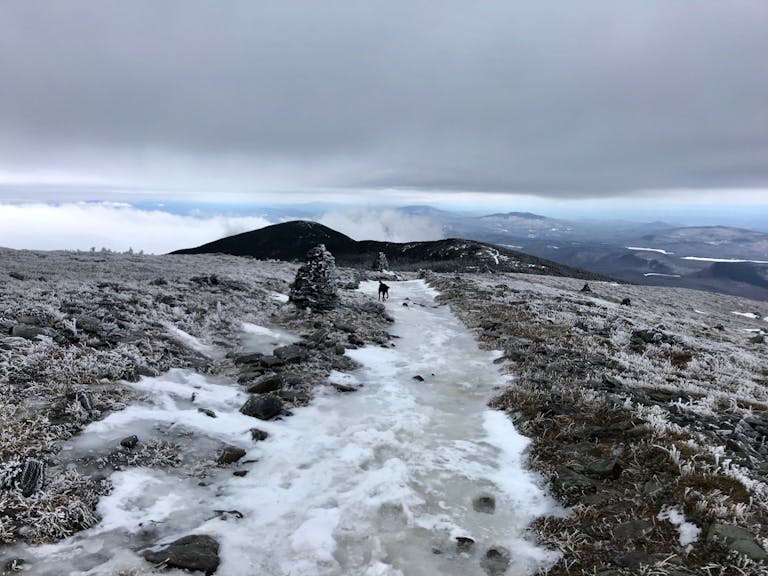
(376, 482)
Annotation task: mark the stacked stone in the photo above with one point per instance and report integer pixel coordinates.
(380, 264)
(315, 282)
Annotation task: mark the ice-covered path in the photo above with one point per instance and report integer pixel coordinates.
(376, 482)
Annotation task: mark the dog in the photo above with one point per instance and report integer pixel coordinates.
(383, 291)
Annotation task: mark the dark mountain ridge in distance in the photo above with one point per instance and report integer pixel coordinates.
(290, 241)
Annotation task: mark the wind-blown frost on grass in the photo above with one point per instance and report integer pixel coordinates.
(688, 532)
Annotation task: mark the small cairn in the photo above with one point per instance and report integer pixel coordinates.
(380, 264)
(315, 283)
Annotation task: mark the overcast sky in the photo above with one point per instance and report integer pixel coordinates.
(384, 102)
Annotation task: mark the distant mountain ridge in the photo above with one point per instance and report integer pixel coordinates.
(290, 241)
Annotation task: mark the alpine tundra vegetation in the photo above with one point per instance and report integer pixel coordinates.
(645, 409)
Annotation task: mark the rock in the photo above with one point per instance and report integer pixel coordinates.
(626, 302)
(343, 387)
(464, 543)
(496, 561)
(240, 473)
(271, 362)
(571, 483)
(129, 441)
(194, 552)
(289, 353)
(652, 487)
(339, 349)
(14, 565)
(32, 477)
(263, 407)
(608, 469)
(315, 282)
(355, 340)
(271, 383)
(649, 336)
(633, 530)
(419, 378)
(85, 398)
(585, 288)
(484, 503)
(345, 327)
(230, 454)
(758, 339)
(26, 332)
(380, 263)
(250, 358)
(737, 539)
(207, 412)
(17, 275)
(258, 435)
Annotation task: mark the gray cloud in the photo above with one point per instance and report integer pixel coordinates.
(596, 98)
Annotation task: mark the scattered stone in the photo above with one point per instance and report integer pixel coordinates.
(294, 396)
(17, 275)
(737, 539)
(240, 473)
(258, 435)
(585, 288)
(757, 339)
(608, 469)
(226, 514)
(464, 543)
(626, 302)
(339, 349)
(290, 354)
(572, 484)
(271, 362)
(264, 407)
(32, 477)
(355, 340)
(345, 327)
(343, 387)
(419, 378)
(15, 565)
(633, 530)
(484, 503)
(207, 412)
(129, 441)
(720, 327)
(496, 561)
(229, 455)
(271, 383)
(26, 332)
(85, 398)
(653, 487)
(194, 552)
(250, 358)
(315, 282)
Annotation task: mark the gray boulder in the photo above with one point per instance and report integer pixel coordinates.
(315, 283)
(194, 552)
(737, 539)
(263, 407)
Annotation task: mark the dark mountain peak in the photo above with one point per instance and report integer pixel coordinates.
(284, 241)
(292, 240)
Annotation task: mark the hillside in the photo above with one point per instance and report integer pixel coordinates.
(290, 241)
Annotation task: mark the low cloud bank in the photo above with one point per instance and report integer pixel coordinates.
(386, 225)
(118, 227)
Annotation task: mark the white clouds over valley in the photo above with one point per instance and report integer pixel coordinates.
(81, 226)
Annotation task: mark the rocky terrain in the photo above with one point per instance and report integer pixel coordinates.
(648, 413)
(77, 326)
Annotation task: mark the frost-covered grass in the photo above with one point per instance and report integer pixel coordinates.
(687, 409)
(88, 322)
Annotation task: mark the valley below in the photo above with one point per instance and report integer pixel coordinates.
(626, 430)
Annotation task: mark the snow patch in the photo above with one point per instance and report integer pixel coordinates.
(728, 260)
(658, 250)
(688, 532)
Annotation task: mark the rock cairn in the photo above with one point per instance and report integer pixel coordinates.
(380, 264)
(315, 283)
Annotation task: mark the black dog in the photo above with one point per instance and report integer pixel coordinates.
(383, 291)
